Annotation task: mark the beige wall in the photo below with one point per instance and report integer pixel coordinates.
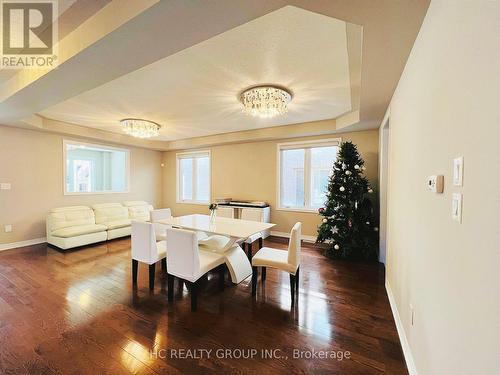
(32, 162)
(447, 105)
(248, 171)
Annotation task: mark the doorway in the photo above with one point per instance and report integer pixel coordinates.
(384, 139)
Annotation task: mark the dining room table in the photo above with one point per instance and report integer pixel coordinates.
(236, 231)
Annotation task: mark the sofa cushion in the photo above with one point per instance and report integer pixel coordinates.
(78, 230)
(109, 212)
(63, 217)
(118, 224)
(140, 213)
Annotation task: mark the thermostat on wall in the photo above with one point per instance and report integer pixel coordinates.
(435, 183)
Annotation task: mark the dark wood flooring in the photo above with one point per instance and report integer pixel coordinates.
(77, 313)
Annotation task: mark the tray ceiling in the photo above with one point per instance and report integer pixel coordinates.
(195, 91)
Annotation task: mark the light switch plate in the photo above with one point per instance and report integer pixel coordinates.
(5, 186)
(458, 171)
(7, 228)
(456, 207)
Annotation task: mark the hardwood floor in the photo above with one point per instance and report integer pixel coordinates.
(77, 313)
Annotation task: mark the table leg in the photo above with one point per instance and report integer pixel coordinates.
(238, 264)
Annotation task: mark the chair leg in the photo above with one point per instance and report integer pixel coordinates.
(297, 280)
(170, 282)
(254, 281)
(260, 243)
(263, 277)
(292, 288)
(151, 276)
(194, 295)
(164, 264)
(222, 276)
(135, 265)
(249, 251)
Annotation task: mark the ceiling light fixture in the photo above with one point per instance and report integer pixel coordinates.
(265, 101)
(140, 128)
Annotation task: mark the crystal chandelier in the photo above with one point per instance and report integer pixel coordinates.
(140, 128)
(265, 101)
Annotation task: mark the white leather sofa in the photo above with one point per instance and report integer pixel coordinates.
(115, 217)
(139, 210)
(69, 227)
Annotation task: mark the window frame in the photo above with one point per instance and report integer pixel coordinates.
(328, 142)
(99, 145)
(188, 155)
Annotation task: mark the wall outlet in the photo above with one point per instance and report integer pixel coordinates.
(7, 228)
(5, 186)
(412, 315)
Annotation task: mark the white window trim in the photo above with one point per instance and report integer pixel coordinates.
(80, 143)
(298, 145)
(184, 155)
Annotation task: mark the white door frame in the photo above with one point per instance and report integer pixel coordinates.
(383, 160)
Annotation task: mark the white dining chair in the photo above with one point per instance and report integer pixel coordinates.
(288, 261)
(252, 214)
(161, 229)
(187, 262)
(225, 212)
(145, 249)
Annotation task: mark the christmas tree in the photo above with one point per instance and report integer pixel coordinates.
(348, 225)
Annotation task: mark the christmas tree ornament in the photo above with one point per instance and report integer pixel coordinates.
(342, 188)
(344, 166)
(336, 247)
(370, 191)
(356, 166)
(348, 172)
(325, 221)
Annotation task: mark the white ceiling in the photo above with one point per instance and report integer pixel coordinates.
(195, 92)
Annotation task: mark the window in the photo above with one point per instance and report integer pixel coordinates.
(193, 177)
(304, 170)
(94, 169)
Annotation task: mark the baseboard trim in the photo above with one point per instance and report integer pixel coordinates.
(15, 245)
(410, 363)
(287, 235)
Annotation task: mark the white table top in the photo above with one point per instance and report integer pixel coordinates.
(220, 225)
